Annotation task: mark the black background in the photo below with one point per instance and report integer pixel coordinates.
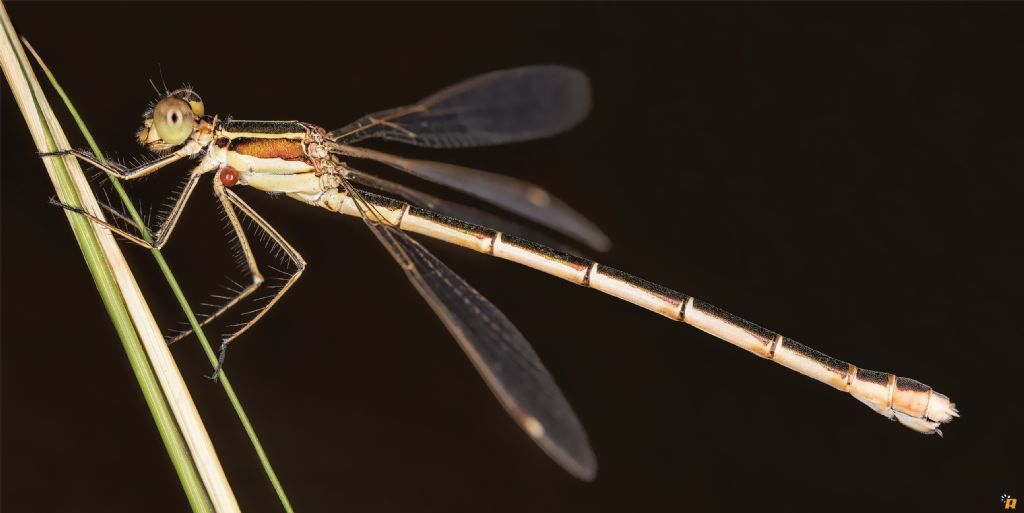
(848, 175)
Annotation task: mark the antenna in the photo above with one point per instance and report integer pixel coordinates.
(162, 81)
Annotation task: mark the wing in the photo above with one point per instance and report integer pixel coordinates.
(453, 209)
(500, 107)
(498, 351)
(517, 196)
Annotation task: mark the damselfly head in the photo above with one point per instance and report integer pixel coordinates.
(171, 120)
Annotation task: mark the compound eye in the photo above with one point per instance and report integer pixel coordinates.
(173, 120)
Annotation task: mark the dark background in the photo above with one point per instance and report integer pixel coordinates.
(847, 175)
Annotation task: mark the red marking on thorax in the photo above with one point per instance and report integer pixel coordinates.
(229, 176)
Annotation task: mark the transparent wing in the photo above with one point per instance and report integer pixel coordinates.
(456, 210)
(500, 107)
(499, 351)
(517, 196)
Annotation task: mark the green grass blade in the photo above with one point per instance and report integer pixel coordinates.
(99, 267)
(176, 290)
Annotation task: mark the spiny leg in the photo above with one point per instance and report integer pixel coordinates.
(162, 234)
(230, 201)
(247, 257)
(113, 211)
(293, 255)
(117, 170)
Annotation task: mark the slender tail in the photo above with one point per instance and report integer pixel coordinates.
(908, 401)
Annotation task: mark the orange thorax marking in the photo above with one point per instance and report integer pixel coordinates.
(287, 149)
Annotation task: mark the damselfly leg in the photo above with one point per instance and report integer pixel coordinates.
(227, 199)
(230, 200)
(163, 232)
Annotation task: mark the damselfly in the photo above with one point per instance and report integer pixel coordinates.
(312, 165)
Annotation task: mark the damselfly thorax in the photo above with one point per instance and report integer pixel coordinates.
(317, 167)
(284, 157)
